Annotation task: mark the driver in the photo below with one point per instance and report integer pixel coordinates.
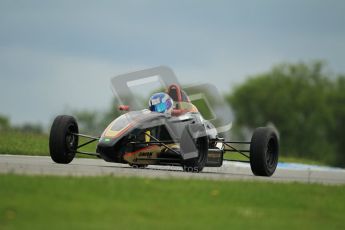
(161, 103)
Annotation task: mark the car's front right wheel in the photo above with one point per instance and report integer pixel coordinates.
(264, 151)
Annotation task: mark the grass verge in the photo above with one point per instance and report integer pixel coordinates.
(48, 202)
(21, 143)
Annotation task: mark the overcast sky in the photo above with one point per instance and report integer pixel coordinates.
(60, 55)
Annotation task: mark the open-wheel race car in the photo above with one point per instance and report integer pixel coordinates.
(151, 137)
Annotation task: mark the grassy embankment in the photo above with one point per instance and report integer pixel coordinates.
(47, 202)
(18, 143)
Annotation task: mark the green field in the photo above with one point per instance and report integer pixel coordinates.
(19, 143)
(48, 202)
(12, 142)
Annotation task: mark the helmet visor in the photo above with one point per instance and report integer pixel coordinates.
(160, 108)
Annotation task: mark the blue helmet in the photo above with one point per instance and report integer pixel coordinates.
(161, 103)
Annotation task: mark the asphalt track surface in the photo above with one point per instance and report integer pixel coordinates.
(43, 165)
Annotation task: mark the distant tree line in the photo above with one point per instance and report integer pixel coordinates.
(5, 125)
(304, 101)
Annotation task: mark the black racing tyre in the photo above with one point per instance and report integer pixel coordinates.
(264, 151)
(62, 143)
(197, 144)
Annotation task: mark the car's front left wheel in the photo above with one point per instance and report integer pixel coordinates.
(63, 142)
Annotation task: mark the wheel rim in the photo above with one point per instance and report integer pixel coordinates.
(71, 140)
(271, 153)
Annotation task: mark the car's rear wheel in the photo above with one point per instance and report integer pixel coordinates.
(264, 151)
(62, 141)
(194, 141)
